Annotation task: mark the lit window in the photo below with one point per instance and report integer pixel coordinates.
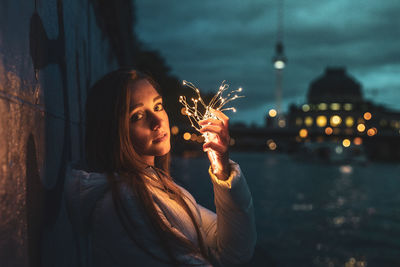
(272, 113)
(348, 106)
(308, 121)
(281, 123)
(357, 141)
(335, 106)
(305, 108)
(349, 121)
(322, 106)
(349, 131)
(360, 120)
(335, 120)
(321, 121)
(303, 133)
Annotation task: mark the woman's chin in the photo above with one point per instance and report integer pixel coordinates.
(164, 150)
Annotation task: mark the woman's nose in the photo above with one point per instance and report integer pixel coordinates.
(155, 122)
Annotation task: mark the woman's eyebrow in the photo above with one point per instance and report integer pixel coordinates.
(133, 107)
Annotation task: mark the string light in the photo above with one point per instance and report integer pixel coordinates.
(202, 111)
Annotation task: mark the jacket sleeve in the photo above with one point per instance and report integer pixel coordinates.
(230, 234)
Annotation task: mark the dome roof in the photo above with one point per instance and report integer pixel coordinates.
(334, 86)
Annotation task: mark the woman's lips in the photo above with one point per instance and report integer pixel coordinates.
(160, 138)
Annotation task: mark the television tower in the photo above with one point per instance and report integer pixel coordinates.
(279, 61)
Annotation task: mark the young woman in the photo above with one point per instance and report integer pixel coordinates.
(125, 207)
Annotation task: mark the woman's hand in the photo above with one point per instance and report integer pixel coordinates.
(219, 144)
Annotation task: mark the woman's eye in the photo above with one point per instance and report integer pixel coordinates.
(159, 107)
(136, 117)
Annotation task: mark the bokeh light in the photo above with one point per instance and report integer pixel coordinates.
(346, 143)
(174, 130)
(187, 136)
(321, 121)
(308, 121)
(335, 120)
(303, 133)
(328, 131)
(367, 115)
(361, 127)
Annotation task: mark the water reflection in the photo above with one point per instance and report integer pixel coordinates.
(314, 214)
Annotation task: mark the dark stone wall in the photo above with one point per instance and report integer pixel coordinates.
(50, 53)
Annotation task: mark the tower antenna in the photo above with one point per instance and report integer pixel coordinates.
(279, 60)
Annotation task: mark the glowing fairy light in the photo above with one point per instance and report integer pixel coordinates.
(202, 111)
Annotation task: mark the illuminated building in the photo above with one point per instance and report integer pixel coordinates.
(336, 112)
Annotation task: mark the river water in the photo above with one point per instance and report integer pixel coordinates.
(312, 213)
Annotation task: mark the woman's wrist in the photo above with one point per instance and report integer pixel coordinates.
(224, 172)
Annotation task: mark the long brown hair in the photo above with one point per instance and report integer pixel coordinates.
(109, 150)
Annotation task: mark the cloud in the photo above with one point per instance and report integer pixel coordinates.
(209, 41)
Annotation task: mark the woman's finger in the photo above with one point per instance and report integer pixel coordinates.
(215, 146)
(211, 121)
(220, 115)
(213, 129)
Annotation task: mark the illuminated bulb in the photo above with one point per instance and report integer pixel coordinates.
(195, 115)
(279, 64)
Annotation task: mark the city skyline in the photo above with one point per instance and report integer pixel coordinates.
(207, 42)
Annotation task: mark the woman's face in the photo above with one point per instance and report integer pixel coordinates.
(149, 125)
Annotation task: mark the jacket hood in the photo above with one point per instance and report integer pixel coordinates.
(82, 191)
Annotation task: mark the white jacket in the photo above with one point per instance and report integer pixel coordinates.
(229, 235)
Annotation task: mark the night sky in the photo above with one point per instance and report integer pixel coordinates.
(207, 41)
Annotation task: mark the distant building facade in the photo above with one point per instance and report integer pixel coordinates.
(336, 111)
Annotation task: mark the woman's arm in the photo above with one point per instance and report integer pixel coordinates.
(230, 234)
